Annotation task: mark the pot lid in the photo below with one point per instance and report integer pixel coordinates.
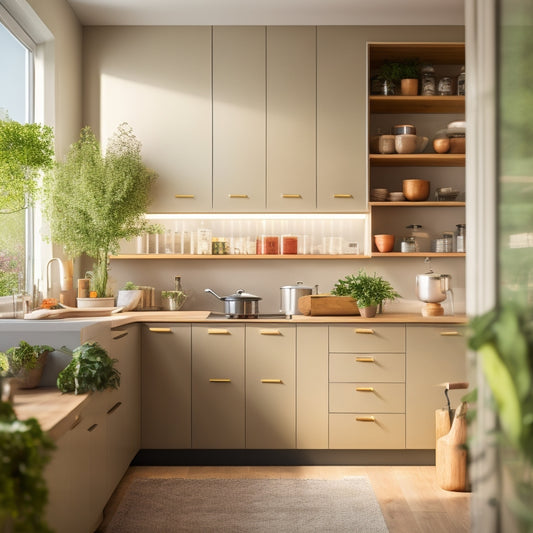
(241, 294)
(299, 285)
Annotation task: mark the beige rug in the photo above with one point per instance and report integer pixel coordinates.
(249, 505)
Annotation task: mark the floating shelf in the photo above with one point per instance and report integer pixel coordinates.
(417, 204)
(416, 104)
(417, 160)
(238, 257)
(418, 254)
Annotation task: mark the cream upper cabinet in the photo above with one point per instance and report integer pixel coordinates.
(435, 355)
(239, 118)
(341, 111)
(291, 118)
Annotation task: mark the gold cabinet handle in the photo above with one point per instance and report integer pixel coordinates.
(238, 196)
(291, 195)
(365, 419)
(364, 389)
(219, 380)
(364, 359)
(450, 334)
(218, 331)
(269, 332)
(159, 330)
(364, 331)
(186, 196)
(342, 196)
(119, 334)
(271, 381)
(114, 408)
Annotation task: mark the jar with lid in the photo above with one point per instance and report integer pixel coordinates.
(461, 82)
(445, 86)
(460, 238)
(414, 233)
(408, 245)
(428, 81)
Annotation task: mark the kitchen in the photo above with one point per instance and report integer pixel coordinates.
(105, 59)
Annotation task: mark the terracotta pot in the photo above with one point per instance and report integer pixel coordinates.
(384, 242)
(409, 87)
(368, 312)
(416, 190)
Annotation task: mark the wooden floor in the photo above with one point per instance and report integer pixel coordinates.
(410, 499)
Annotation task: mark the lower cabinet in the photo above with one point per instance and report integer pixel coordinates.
(271, 386)
(166, 386)
(218, 393)
(435, 355)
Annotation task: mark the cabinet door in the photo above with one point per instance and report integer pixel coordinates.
(166, 386)
(435, 355)
(239, 118)
(341, 125)
(218, 386)
(291, 118)
(270, 386)
(312, 387)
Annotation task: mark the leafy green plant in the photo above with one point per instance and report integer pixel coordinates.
(24, 356)
(93, 200)
(409, 68)
(365, 289)
(130, 286)
(390, 71)
(25, 450)
(25, 151)
(91, 369)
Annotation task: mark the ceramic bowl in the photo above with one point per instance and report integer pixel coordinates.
(416, 190)
(384, 242)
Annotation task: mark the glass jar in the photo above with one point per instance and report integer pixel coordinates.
(460, 238)
(447, 242)
(408, 245)
(445, 86)
(461, 82)
(428, 81)
(414, 232)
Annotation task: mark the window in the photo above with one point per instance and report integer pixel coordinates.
(16, 103)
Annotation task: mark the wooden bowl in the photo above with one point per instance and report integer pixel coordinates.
(416, 190)
(384, 242)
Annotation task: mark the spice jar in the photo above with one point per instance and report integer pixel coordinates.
(268, 245)
(414, 232)
(445, 86)
(289, 244)
(428, 81)
(461, 82)
(460, 238)
(408, 245)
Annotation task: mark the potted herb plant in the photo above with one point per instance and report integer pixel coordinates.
(94, 199)
(174, 299)
(409, 75)
(129, 296)
(389, 74)
(25, 363)
(369, 291)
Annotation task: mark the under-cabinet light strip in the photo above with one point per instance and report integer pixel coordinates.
(257, 216)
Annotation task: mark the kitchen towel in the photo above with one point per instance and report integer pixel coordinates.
(246, 505)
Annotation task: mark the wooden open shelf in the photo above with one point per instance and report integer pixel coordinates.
(418, 254)
(417, 204)
(239, 257)
(430, 52)
(416, 104)
(417, 160)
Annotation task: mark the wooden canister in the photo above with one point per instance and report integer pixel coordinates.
(83, 288)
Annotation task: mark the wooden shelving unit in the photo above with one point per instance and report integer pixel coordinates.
(239, 257)
(417, 160)
(416, 104)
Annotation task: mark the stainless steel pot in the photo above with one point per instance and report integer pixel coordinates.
(239, 305)
(289, 295)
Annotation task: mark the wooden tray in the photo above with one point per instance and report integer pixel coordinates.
(327, 305)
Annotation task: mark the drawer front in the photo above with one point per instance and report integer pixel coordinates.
(367, 338)
(363, 367)
(359, 431)
(367, 398)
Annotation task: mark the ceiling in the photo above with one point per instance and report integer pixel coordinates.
(269, 12)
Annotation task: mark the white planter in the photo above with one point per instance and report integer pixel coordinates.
(129, 300)
(95, 302)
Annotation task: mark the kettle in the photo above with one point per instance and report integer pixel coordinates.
(289, 295)
(434, 288)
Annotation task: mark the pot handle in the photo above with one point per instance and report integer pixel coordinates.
(215, 294)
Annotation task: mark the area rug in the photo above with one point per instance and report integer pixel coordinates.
(249, 505)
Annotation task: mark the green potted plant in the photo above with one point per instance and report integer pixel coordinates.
(369, 291)
(389, 74)
(409, 75)
(174, 299)
(94, 199)
(129, 296)
(25, 363)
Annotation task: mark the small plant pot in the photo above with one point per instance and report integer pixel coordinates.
(409, 87)
(95, 302)
(384, 243)
(30, 378)
(368, 312)
(129, 299)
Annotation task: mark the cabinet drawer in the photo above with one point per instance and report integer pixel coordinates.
(375, 367)
(363, 431)
(367, 338)
(367, 397)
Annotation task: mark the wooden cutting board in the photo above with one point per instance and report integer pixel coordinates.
(327, 305)
(72, 312)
